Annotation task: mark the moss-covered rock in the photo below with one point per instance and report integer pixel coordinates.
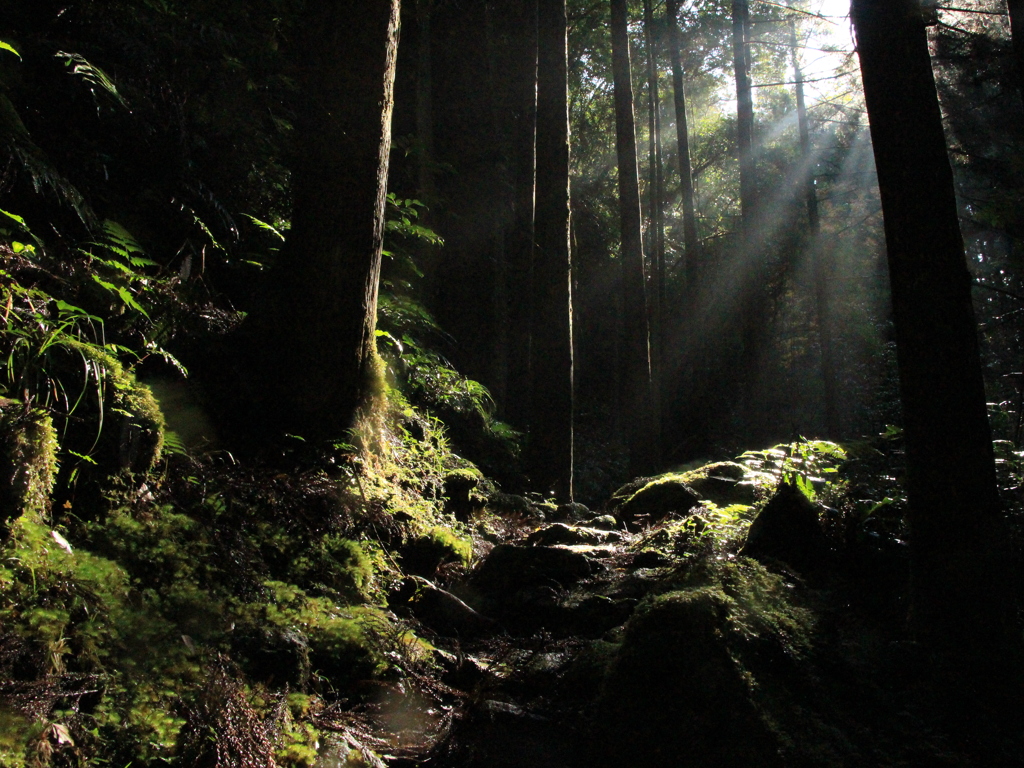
(28, 445)
(654, 500)
(424, 554)
(675, 697)
(723, 482)
(788, 529)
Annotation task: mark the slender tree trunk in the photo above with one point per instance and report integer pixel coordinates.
(551, 433)
(1015, 9)
(818, 252)
(960, 566)
(519, 242)
(424, 103)
(656, 299)
(751, 268)
(690, 240)
(744, 110)
(635, 400)
(319, 321)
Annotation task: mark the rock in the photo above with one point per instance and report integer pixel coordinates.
(605, 522)
(272, 654)
(559, 533)
(788, 529)
(446, 614)
(655, 501)
(510, 505)
(510, 568)
(722, 482)
(650, 558)
(573, 512)
(675, 697)
(460, 499)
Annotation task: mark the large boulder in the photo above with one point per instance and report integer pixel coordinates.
(723, 482)
(509, 568)
(675, 697)
(788, 529)
(653, 501)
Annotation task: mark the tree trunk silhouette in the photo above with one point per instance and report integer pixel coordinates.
(635, 400)
(522, 19)
(1015, 9)
(551, 425)
(656, 298)
(960, 573)
(817, 248)
(690, 239)
(320, 317)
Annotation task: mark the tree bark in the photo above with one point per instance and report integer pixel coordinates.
(320, 318)
(519, 240)
(1015, 9)
(551, 426)
(960, 565)
(656, 302)
(690, 239)
(635, 400)
(744, 110)
(818, 252)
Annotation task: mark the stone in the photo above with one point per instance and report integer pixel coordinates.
(511, 568)
(674, 696)
(788, 530)
(559, 533)
(655, 501)
(445, 614)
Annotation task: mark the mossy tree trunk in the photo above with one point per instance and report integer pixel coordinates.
(550, 457)
(960, 580)
(636, 385)
(320, 317)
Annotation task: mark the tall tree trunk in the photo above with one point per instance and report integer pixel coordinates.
(1015, 9)
(425, 103)
(656, 299)
(551, 425)
(744, 110)
(635, 400)
(320, 318)
(818, 252)
(690, 241)
(960, 566)
(751, 268)
(519, 241)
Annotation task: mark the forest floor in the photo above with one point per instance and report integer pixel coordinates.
(395, 608)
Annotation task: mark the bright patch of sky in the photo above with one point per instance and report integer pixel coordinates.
(834, 31)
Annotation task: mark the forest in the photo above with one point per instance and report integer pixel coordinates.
(486, 383)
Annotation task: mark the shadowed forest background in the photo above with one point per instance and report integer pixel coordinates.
(472, 383)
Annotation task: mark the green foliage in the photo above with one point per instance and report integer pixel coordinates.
(803, 463)
(28, 445)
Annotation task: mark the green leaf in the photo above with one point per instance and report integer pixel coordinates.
(8, 47)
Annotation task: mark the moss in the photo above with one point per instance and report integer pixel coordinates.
(438, 546)
(28, 444)
(135, 438)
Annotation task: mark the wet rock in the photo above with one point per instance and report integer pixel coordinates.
(271, 654)
(788, 529)
(655, 501)
(675, 697)
(559, 533)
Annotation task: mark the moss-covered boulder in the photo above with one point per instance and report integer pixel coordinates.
(788, 529)
(28, 446)
(723, 482)
(675, 697)
(641, 504)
